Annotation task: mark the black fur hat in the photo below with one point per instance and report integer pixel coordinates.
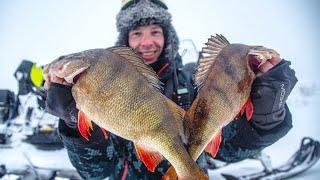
(146, 12)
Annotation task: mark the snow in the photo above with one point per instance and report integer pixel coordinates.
(41, 31)
(304, 110)
(19, 156)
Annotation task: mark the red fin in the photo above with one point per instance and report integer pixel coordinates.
(105, 133)
(248, 109)
(171, 174)
(213, 146)
(149, 158)
(84, 125)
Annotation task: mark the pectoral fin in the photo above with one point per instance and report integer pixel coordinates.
(105, 133)
(84, 125)
(213, 146)
(150, 158)
(248, 109)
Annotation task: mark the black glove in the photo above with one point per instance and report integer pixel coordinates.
(60, 103)
(269, 94)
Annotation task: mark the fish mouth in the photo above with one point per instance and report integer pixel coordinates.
(259, 55)
(254, 63)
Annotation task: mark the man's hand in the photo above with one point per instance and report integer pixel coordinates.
(270, 63)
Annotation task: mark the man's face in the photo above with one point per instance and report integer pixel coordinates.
(147, 42)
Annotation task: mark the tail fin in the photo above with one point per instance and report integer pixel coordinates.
(171, 174)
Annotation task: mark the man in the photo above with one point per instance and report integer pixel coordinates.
(146, 27)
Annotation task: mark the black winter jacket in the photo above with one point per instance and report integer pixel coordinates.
(116, 157)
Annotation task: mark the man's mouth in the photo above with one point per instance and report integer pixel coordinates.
(147, 54)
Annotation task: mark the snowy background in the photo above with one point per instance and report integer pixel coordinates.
(41, 31)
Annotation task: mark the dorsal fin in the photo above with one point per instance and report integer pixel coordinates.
(213, 47)
(141, 67)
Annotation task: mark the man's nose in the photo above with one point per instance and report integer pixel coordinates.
(146, 41)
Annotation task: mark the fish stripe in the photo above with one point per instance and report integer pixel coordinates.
(223, 95)
(229, 68)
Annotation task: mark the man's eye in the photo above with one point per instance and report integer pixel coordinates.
(135, 34)
(157, 33)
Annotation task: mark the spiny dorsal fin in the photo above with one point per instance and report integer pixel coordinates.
(128, 54)
(214, 45)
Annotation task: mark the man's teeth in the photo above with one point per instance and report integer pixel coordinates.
(147, 53)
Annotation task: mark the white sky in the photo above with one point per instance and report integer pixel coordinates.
(41, 31)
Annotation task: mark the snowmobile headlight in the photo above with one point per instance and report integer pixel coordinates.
(36, 75)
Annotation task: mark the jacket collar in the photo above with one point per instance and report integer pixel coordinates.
(168, 72)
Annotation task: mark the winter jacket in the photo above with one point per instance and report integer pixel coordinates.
(116, 157)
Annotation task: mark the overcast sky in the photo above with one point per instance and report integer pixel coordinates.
(41, 31)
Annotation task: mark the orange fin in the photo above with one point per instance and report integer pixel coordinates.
(213, 146)
(84, 125)
(171, 174)
(149, 157)
(105, 133)
(248, 109)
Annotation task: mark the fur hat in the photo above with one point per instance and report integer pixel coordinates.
(146, 12)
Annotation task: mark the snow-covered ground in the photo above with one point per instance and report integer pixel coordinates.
(304, 103)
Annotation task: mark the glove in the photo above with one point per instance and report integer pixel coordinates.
(60, 103)
(269, 94)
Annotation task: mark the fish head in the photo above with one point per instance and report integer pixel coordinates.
(67, 67)
(70, 69)
(258, 55)
(238, 59)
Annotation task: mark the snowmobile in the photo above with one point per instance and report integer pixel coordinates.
(28, 132)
